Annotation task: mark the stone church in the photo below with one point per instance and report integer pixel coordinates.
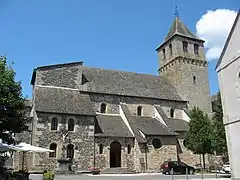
(106, 118)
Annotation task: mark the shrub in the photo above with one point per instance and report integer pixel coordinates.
(48, 175)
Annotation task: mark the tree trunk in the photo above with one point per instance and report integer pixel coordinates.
(204, 165)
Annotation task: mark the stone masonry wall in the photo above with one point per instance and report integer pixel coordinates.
(82, 138)
(180, 72)
(113, 101)
(177, 50)
(68, 76)
(155, 157)
(103, 160)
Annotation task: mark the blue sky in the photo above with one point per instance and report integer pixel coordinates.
(112, 34)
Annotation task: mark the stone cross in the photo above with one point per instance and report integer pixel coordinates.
(64, 134)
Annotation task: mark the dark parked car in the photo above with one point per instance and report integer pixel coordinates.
(177, 167)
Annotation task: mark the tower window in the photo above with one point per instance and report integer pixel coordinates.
(103, 108)
(170, 49)
(171, 112)
(185, 46)
(196, 49)
(139, 110)
(164, 54)
(100, 149)
(194, 79)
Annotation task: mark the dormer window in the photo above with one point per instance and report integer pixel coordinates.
(164, 54)
(139, 110)
(185, 46)
(103, 108)
(170, 49)
(196, 49)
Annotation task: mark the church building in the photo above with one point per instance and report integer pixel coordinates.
(115, 119)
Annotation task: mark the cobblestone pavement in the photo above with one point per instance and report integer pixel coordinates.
(133, 177)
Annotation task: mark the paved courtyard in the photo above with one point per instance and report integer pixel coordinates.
(132, 177)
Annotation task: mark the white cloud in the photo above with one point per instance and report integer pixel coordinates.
(214, 27)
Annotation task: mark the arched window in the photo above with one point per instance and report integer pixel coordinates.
(70, 125)
(103, 108)
(171, 112)
(196, 49)
(100, 149)
(53, 147)
(170, 49)
(129, 149)
(185, 46)
(194, 79)
(164, 54)
(54, 123)
(70, 151)
(139, 110)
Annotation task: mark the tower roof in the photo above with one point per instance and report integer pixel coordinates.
(179, 28)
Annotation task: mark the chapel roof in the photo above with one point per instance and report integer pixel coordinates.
(111, 126)
(146, 126)
(174, 124)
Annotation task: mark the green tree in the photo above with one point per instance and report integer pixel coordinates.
(219, 136)
(199, 135)
(12, 107)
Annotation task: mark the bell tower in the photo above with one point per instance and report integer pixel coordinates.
(182, 61)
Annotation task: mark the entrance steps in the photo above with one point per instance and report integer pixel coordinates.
(118, 170)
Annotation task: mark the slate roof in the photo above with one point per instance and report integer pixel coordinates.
(161, 112)
(151, 126)
(112, 126)
(179, 28)
(133, 124)
(177, 125)
(146, 125)
(127, 84)
(228, 40)
(187, 111)
(66, 101)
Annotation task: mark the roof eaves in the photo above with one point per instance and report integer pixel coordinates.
(60, 65)
(227, 41)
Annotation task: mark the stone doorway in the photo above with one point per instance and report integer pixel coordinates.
(115, 154)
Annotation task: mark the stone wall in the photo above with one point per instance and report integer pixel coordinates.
(113, 101)
(66, 75)
(181, 68)
(155, 156)
(103, 160)
(82, 138)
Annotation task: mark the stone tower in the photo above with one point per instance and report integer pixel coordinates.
(182, 61)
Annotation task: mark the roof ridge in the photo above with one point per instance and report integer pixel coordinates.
(122, 71)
